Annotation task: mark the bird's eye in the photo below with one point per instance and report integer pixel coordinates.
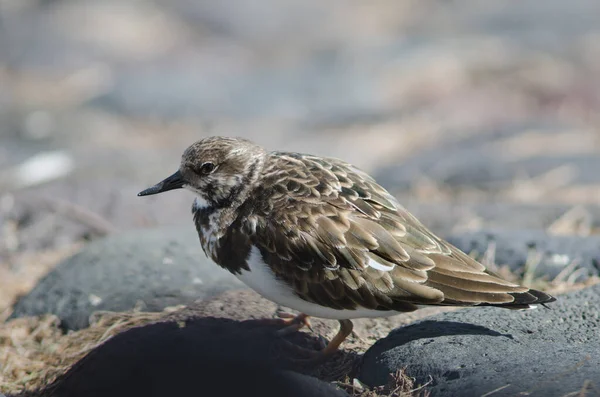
(207, 168)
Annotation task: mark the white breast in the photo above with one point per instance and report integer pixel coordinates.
(261, 279)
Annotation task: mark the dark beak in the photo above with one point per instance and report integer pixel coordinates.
(175, 181)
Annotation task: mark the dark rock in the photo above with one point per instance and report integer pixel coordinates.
(475, 351)
(197, 356)
(155, 268)
(554, 253)
(244, 305)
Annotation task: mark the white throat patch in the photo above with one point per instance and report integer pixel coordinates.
(200, 204)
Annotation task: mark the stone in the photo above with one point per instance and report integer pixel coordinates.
(474, 351)
(578, 258)
(148, 269)
(191, 356)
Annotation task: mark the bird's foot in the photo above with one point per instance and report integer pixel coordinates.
(288, 322)
(283, 319)
(303, 355)
(292, 323)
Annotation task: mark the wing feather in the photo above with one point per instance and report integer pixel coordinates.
(342, 241)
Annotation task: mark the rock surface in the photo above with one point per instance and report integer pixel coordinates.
(153, 269)
(190, 356)
(555, 254)
(475, 351)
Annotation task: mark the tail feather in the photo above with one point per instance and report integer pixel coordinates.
(526, 300)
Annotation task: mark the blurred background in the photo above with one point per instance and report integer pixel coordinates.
(473, 113)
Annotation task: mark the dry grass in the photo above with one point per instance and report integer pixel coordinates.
(399, 385)
(28, 352)
(34, 351)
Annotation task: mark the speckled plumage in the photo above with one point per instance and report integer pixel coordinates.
(329, 233)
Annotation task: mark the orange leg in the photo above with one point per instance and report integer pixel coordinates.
(296, 323)
(317, 356)
(346, 327)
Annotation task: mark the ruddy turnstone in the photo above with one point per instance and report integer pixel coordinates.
(320, 236)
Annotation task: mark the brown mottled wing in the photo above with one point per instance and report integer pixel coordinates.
(342, 241)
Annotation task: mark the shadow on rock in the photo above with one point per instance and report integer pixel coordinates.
(433, 329)
(199, 356)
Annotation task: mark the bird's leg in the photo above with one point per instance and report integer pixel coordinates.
(317, 356)
(346, 327)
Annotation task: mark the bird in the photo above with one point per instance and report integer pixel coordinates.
(322, 237)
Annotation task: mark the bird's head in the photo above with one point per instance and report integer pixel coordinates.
(221, 171)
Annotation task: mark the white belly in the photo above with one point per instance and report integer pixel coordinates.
(261, 279)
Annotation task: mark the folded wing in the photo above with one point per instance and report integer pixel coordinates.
(342, 241)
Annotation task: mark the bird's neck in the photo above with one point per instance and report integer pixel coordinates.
(213, 224)
(207, 214)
